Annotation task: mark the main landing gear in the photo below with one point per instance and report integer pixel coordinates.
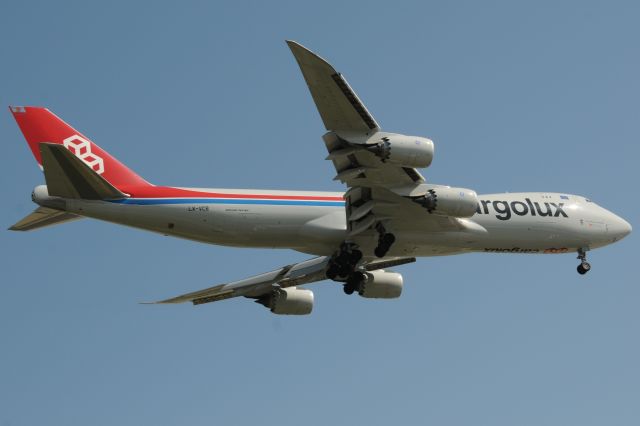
(353, 282)
(584, 266)
(343, 264)
(385, 241)
(344, 261)
(342, 267)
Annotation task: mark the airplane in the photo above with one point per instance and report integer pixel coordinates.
(388, 216)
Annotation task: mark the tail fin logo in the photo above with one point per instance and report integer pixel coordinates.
(81, 148)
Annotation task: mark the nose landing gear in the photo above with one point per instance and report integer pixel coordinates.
(584, 266)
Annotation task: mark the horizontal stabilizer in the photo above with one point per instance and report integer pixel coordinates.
(41, 217)
(69, 177)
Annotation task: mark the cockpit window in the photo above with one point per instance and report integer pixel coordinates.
(588, 200)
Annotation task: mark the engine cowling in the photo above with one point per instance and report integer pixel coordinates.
(289, 301)
(381, 284)
(448, 201)
(406, 151)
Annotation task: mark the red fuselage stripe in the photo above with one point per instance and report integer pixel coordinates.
(168, 192)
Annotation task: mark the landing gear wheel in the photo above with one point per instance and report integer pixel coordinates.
(343, 262)
(356, 255)
(354, 282)
(332, 272)
(583, 268)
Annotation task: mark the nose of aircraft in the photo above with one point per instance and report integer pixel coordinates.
(619, 227)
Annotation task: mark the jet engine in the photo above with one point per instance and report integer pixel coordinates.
(448, 201)
(406, 151)
(380, 284)
(288, 301)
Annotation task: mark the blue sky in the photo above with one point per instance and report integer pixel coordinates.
(518, 96)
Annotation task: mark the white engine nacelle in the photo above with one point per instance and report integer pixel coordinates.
(447, 201)
(406, 151)
(291, 301)
(381, 284)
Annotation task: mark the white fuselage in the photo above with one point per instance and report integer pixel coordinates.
(504, 223)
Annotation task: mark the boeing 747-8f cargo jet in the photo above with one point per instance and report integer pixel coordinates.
(388, 216)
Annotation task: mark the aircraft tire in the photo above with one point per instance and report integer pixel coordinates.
(583, 268)
(332, 272)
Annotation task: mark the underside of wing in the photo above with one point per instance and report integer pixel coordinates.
(386, 191)
(384, 197)
(337, 103)
(361, 153)
(358, 165)
(370, 208)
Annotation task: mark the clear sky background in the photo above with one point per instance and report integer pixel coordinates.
(518, 96)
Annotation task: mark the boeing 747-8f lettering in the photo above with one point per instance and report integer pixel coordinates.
(388, 216)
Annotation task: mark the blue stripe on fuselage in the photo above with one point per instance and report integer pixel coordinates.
(158, 201)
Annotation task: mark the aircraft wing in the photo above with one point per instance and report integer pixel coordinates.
(258, 286)
(379, 192)
(346, 117)
(338, 105)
